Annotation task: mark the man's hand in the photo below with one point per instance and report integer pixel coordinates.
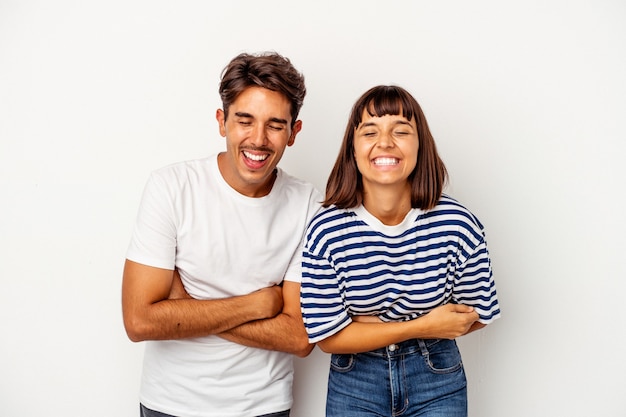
(269, 300)
(284, 332)
(273, 297)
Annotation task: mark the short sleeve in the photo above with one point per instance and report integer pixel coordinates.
(153, 241)
(474, 283)
(294, 269)
(323, 310)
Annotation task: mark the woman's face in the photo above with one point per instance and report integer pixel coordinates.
(385, 149)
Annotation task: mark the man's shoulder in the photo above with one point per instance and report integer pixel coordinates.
(184, 166)
(287, 178)
(294, 184)
(183, 171)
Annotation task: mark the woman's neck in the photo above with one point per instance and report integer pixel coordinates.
(390, 205)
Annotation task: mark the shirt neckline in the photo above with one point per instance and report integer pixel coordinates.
(394, 230)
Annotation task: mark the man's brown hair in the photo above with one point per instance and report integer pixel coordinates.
(268, 70)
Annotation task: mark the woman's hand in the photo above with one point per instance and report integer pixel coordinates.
(448, 321)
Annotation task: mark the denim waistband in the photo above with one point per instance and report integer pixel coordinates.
(407, 347)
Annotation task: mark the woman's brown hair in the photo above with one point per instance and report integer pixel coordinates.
(344, 188)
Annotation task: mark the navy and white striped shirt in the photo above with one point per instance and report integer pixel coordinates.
(353, 264)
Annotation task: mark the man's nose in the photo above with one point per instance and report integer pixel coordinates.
(259, 136)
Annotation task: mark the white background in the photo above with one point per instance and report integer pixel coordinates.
(526, 101)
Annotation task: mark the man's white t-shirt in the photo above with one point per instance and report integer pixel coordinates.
(223, 244)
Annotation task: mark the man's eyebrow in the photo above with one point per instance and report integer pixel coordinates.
(249, 116)
(278, 120)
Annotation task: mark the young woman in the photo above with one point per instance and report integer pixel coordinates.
(394, 270)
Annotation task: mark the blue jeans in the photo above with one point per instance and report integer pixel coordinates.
(413, 378)
(146, 412)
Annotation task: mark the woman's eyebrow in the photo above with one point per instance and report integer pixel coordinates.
(398, 122)
(366, 124)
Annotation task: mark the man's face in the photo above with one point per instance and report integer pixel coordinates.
(257, 131)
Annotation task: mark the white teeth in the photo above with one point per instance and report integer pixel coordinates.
(255, 157)
(385, 161)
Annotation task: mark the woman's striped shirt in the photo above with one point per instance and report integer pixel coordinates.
(353, 264)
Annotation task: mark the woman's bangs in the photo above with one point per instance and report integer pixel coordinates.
(392, 105)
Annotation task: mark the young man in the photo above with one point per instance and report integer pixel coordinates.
(229, 227)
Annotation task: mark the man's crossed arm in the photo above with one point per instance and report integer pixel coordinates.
(156, 307)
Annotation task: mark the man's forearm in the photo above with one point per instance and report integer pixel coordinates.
(185, 318)
(282, 333)
(156, 307)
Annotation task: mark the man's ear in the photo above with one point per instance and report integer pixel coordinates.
(297, 127)
(221, 120)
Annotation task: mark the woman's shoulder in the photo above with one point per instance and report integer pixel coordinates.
(329, 223)
(449, 207)
(327, 216)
